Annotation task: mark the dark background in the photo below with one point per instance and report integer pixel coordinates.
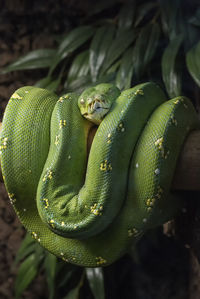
(166, 267)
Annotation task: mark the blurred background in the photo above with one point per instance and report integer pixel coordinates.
(67, 46)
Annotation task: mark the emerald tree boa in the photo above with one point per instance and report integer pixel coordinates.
(85, 209)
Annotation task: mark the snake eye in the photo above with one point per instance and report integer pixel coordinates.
(82, 101)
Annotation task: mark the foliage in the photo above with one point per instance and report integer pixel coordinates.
(135, 42)
(140, 42)
(59, 274)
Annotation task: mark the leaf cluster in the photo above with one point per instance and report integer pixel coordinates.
(154, 40)
(64, 281)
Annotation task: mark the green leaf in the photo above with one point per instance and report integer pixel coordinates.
(123, 79)
(107, 78)
(27, 247)
(48, 83)
(96, 282)
(170, 17)
(118, 46)
(71, 42)
(143, 10)
(170, 74)
(145, 48)
(73, 294)
(100, 44)
(79, 84)
(75, 39)
(195, 20)
(27, 272)
(100, 6)
(43, 82)
(193, 63)
(152, 43)
(114, 67)
(52, 86)
(126, 15)
(65, 273)
(36, 59)
(79, 67)
(50, 271)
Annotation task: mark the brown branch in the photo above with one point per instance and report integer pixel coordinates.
(187, 174)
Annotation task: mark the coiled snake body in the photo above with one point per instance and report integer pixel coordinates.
(87, 211)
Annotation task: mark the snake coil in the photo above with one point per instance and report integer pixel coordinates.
(88, 211)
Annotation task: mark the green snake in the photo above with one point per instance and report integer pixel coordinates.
(84, 209)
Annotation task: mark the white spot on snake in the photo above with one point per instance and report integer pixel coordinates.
(177, 101)
(136, 165)
(62, 223)
(159, 143)
(57, 139)
(100, 260)
(150, 202)
(96, 210)
(132, 231)
(34, 235)
(69, 157)
(48, 175)
(52, 223)
(174, 121)
(121, 127)
(15, 96)
(105, 166)
(157, 171)
(26, 91)
(139, 91)
(61, 253)
(62, 123)
(24, 210)
(144, 220)
(61, 99)
(4, 144)
(109, 138)
(12, 198)
(46, 202)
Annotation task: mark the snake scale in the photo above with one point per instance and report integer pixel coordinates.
(88, 210)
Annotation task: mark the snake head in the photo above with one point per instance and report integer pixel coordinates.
(95, 102)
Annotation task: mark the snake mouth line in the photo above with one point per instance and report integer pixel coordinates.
(95, 110)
